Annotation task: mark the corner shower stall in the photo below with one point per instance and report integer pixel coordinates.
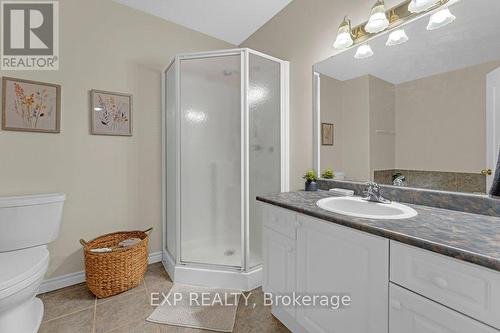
(225, 140)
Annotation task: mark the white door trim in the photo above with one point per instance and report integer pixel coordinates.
(316, 122)
(492, 118)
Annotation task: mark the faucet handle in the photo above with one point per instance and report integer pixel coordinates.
(372, 193)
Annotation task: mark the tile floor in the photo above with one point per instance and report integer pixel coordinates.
(74, 309)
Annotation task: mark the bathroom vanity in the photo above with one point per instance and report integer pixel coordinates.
(421, 115)
(438, 271)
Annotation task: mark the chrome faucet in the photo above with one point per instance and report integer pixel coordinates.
(399, 181)
(372, 193)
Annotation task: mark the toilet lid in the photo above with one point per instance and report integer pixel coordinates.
(16, 266)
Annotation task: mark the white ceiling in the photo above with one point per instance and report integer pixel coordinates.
(230, 20)
(474, 38)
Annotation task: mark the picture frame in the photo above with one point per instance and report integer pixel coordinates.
(327, 134)
(30, 106)
(110, 113)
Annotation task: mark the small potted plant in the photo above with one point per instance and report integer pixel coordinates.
(311, 179)
(328, 174)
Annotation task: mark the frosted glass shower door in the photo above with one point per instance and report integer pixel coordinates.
(211, 160)
(264, 105)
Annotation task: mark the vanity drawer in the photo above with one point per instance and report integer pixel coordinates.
(467, 288)
(280, 220)
(412, 313)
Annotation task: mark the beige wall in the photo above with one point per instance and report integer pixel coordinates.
(112, 183)
(359, 108)
(382, 125)
(356, 134)
(441, 121)
(303, 33)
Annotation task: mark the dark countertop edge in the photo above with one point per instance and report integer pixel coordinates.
(450, 251)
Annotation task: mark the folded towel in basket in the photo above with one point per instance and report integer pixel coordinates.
(129, 242)
(101, 250)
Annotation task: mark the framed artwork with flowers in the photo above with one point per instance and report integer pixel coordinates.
(111, 113)
(30, 106)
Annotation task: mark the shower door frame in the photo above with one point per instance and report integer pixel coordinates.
(245, 178)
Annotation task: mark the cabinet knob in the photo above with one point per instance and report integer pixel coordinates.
(290, 249)
(298, 224)
(395, 304)
(440, 282)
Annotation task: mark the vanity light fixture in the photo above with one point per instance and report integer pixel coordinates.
(418, 6)
(440, 19)
(397, 37)
(393, 19)
(344, 38)
(363, 52)
(378, 19)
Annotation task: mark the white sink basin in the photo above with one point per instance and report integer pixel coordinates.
(357, 207)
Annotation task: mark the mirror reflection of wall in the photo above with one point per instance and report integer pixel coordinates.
(416, 111)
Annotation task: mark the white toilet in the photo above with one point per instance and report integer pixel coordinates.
(27, 225)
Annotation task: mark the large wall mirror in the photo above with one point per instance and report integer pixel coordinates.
(423, 114)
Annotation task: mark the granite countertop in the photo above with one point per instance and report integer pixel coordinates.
(470, 237)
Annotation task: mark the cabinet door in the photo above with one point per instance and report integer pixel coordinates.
(278, 265)
(412, 313)
(339, 260)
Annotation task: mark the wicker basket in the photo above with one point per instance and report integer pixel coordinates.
(122, 269)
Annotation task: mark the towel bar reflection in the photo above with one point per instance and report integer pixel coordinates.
(385, 132)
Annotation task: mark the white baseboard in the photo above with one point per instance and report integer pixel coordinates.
(62, 281)
(154, 257)
(169, 264)
(67, 280)
(287, 320)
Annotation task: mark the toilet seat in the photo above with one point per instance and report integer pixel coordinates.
(21, 268)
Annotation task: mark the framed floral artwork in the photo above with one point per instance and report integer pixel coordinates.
(111, 113)
(327, 134)
(30, 106)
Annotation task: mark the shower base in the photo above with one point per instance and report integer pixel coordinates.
(223, 251)
(212, 277)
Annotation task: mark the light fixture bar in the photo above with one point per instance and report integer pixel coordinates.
(397, 16)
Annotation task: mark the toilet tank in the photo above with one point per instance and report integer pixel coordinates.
(31, 220)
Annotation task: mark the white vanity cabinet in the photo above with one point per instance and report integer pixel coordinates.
(412, 313)
(279, 253)
(339, 260)
(279, 265)
(464, 287)
(307, 255)
(412, 290)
